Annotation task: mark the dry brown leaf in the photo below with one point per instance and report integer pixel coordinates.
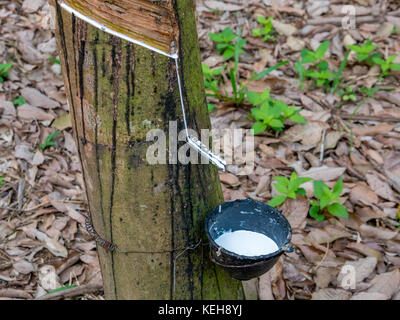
(284, 28)
(24, 267)
(392, 168)
(369, 296)
(377, 233)
(229, 179)
(382, 128)
(326, 235)
(323, 276)
(380, 187)
(36, 99)
(296, 211)
(363, 268)
(62, 122)
(366, 213)
(365, 250)
(323, 173)
(264, 287)
(331, 294)
(27, 112)
(386, 283)
(309, 133)
(52, 245)
(362, 194)
(331, 140)
(223, 6)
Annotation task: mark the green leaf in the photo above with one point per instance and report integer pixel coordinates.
(269, 70)
(4, 67)
(314, 213)
(337, 189)
(300, 70)
(282, 180)
(210, 107)
(258, 127)
(48, 142)
(297, 118)
(61, 289)
(301, 191)
(276, 201)
(254, 98)
(307, 56)
(19, 101)
(321, 50)
(324, 201)
(280, 188)
(319, 188)
(338, 210)
(275, 123)
(336, 79)
(54, 60)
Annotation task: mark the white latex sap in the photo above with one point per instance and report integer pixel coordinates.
(247, 243)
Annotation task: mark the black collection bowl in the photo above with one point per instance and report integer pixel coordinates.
(253, 216)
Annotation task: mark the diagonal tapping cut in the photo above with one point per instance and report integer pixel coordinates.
(196, 144)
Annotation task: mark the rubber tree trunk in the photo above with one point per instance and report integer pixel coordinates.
(117, 91)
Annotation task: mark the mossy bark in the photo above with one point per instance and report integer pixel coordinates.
(117, 91)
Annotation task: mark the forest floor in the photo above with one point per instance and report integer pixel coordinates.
(351, 133)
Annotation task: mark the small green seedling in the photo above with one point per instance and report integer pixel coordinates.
(266, 31)
(270, 113)
(211, 80)
(4, 68)
(322, 76)
(398, 216)
(369, 92)
(319, 70)
(364, 51)
(54, 60)
(225, 46)
(19, 101)
(347, 94)
(2, 181)
(289, 188)
(309, 56)
(328, 200)
(48, 142)
(387, 64)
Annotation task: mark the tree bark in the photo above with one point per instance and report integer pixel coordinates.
(117, 91)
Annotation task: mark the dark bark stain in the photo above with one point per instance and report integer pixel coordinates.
(115, 76)
(128, 89)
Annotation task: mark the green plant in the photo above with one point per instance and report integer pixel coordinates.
(309, 56)
(347, 94)
(363, 51)
(211, 80)
(266, 30)
(289, 188)
(387, 64)
(4, 68)
(270, 113)
(328, 200)
(319, 69)
(2, 181)
(19, 101)
(369, 92)
(225, 46)
(54, 60)
(48, 142)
